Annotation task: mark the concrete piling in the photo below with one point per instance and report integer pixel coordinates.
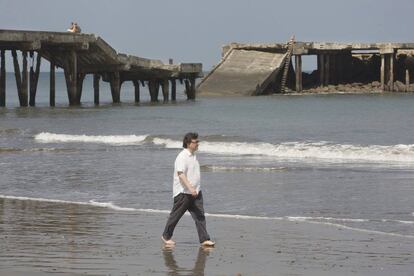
(96, 79)
(173, 90)
(52, 84)
(298, 72)
(2, 78)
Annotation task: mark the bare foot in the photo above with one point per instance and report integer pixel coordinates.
(208, 243)
(168, 242)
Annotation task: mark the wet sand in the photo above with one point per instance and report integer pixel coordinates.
(37, 238)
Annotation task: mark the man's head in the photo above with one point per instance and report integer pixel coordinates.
(190, 141)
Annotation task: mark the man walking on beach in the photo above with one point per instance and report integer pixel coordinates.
(187, 192)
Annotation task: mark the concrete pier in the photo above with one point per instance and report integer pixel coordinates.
(382, 66)
(82, 54)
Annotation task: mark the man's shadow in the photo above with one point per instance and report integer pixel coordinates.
(175, 270)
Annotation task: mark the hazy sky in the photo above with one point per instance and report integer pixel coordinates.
(195, 31)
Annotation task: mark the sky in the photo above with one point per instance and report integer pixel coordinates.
(195, 31)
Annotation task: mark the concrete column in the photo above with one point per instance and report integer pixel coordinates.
(165, 89)
(34, 78)
(187, 89)
(96, 79)
(407, 80)
(31, 80)
(18, 79)
(190, 89)
(153, 87)
(52, 84)
(137, 90)
(71, 77)
(391, 72)
(334, 69)
(115, 84)
(173, 90)
(79, 86)
(340, 68)
(3, 78)
(298, 71)
(321, 64)
(327, 69)
(382, 77)
(24, 80)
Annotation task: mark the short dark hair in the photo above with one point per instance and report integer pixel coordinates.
(188, 137)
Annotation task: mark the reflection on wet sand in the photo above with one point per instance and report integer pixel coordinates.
(42, 237)
(175, 270)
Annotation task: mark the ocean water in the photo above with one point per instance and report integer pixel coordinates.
(343, 160)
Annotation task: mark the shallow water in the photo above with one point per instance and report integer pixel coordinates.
(331, 159)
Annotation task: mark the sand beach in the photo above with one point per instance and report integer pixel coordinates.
(70, 239)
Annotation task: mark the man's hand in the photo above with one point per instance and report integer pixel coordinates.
(194, 192)
(187, 183)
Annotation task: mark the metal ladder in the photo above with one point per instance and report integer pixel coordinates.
(287, 63)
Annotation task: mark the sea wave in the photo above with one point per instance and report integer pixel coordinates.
(327, 221)
(117, 140)
(241, 169)
(306, 150)
(24, 150)
(328, 151)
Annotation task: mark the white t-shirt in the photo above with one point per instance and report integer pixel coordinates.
(187, 163)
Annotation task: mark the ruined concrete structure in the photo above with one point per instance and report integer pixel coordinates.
(81, 54)
(256, 69)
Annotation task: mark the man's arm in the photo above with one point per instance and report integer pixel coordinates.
(187, 183)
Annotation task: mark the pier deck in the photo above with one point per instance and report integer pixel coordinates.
(81, 54)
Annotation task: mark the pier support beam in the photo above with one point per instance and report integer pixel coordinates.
(340, 68)
(22, 93)
(24, 79)
(96, 78)
(334, 69)
(52, 84)
(137, 91)
(190, 89)
(327, 70)
(165, 89)
(407, 80)
(187, 88)
(79, 86)
(71, 76)
(321, 69)
(2, 78)
(382, 77)
(298, 71)
(115, 82)
(154, 87)
(391, 81)
(173, 90)
(34, 78)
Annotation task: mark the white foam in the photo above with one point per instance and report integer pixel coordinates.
(120, 140)
(361, 229)
(244, 169)
(168, 143)
(306, 150)
(326, 219)
(112, 206)
(43, 200)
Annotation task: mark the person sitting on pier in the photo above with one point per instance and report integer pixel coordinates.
(71, 29)
(74, 28)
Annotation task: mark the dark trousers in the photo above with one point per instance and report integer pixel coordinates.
(182, 203)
